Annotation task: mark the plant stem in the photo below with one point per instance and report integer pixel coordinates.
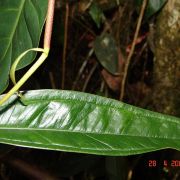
(89, 76)
(25, 77)
(132, 49)
(47, 42)
(81, 69)
(65, 46)
(49, 24)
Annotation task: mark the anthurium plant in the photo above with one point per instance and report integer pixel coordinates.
(66, 120)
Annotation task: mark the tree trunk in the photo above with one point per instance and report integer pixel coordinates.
(166, 90)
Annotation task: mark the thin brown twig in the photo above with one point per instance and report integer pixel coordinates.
(85, 26)
(65, 46)
(82, 68)
(119, 23)
(89, 76)
(29, 170)
(144, 46)
(51, 77)
(132, 49)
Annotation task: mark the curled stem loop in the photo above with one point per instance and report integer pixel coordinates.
(41, 59)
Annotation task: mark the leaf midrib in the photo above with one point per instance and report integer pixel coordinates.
(14, 29)
(83, 132)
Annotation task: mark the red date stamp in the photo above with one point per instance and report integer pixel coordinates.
(165, 163)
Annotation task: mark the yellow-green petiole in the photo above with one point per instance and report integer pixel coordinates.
(41, 59)
(26, 76)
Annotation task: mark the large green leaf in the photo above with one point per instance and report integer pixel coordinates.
(21, 23)
(80, 122)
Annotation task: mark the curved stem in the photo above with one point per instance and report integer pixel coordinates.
(25, 77)
(65, 46)
(132, 49)
(47, 42)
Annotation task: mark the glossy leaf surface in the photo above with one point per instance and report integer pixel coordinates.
(21, 23)
(80, 122)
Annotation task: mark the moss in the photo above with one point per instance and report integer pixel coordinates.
(166, 92)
